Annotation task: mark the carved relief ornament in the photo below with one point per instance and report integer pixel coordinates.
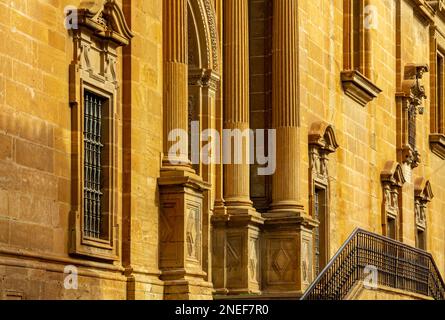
(392, 180)
(412, 95)
(322, 142)
(101, 28)
(423, 195)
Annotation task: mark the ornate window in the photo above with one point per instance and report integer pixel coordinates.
(322, 142)
(410, 105)
(392, 181)
(437, 104)
(94, 89)
(423, 195)
(358, 20)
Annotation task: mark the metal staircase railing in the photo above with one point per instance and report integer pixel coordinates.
(398, 266)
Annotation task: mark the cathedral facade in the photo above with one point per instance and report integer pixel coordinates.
(213, 149)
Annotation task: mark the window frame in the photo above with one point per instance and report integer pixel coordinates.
(108, 168)
(437, 105)
(437, 112)
(392, 181)
(95, 68)
(356, 76)
(104, 248)
(322, 143)
(323, 228)
(437, 117)
(354, 37)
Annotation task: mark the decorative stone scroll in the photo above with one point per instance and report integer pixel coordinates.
(412, 95)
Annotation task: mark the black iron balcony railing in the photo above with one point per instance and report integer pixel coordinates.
(398, 266)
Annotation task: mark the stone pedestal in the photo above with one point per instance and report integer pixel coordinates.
(236, 248)
(287, 255)
(181, 253)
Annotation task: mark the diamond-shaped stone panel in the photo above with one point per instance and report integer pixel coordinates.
(281, 261)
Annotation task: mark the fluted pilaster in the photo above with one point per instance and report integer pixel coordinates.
(285, 105)
(175, 77)
(236, 95)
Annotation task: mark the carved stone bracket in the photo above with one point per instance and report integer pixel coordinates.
(358, 87)
(106, 19)
(101, 30)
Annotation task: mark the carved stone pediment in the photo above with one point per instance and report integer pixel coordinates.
(423, 195)
(392, 174)
(322, 142)
(392, 180)
(101, 28)
(423, 190)
(322, 134)
(106, 19)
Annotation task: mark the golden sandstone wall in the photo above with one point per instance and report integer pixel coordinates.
(35, 138)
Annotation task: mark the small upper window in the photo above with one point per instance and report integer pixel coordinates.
(354, 36)
(356, 76)
(437, 94)
(438, 108)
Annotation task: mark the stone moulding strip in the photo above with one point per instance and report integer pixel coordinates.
(39, 257)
